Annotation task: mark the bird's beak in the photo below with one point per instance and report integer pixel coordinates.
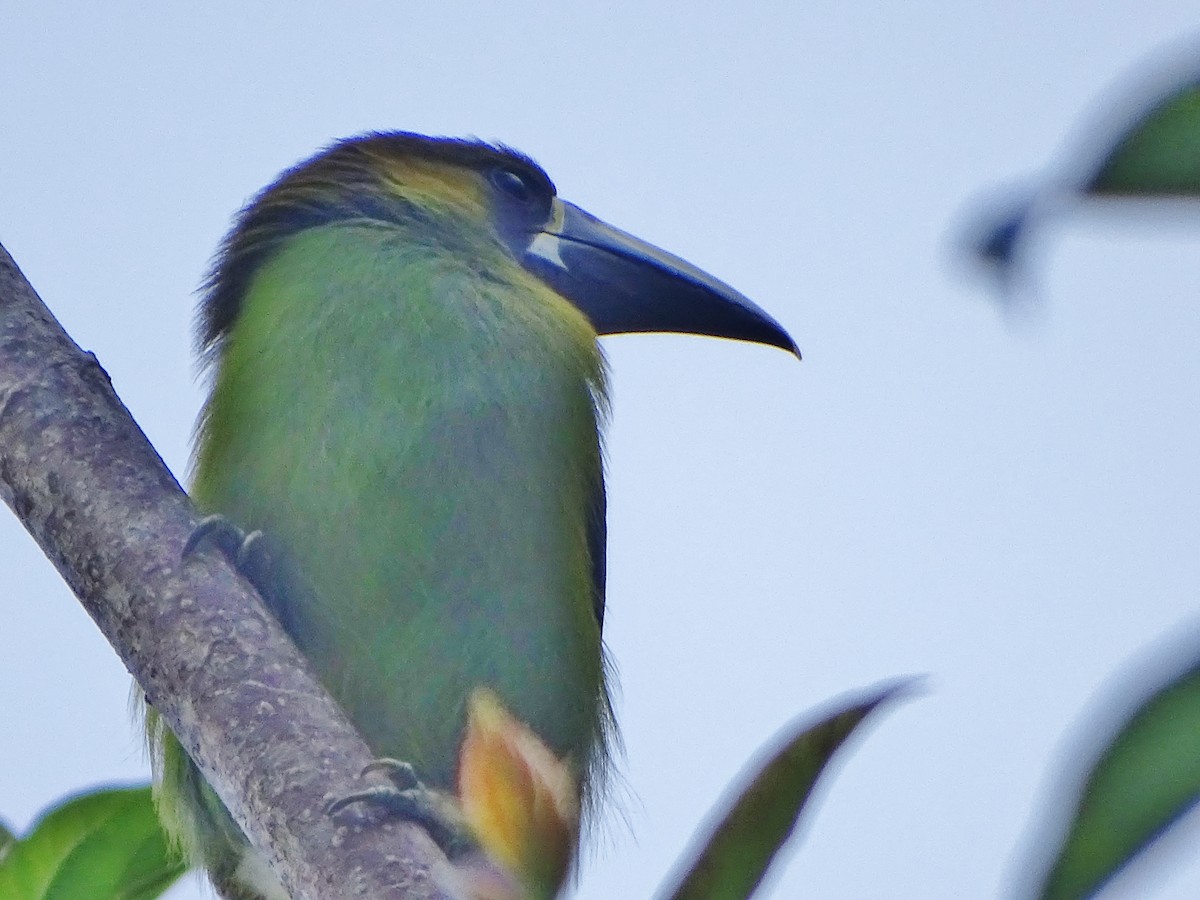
(623, 284)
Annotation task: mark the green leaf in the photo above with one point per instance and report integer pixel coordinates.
(1144, 780)
(102, 845)
(1156, 155)
(1159, 154)
(763, 815)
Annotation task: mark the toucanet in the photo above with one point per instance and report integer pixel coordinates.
(407, 398)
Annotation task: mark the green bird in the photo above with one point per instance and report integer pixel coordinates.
(407, 398)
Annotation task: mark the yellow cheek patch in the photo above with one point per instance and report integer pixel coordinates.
(433, 183)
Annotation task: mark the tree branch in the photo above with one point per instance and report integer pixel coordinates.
(86, 483)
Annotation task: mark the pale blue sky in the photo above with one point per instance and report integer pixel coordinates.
(1010, 508)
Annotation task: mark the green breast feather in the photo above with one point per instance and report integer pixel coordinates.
(416, 436)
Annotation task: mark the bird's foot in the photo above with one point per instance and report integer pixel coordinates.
(248, 553)
(407, 798)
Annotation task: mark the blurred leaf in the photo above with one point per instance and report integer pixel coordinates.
(6, 838)
(762, 818)
(102, 845)
(997, 245)
(519, 800)
(1145, 779)
(998, 236)
(1159, 155)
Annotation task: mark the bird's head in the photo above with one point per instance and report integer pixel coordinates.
(470, 194)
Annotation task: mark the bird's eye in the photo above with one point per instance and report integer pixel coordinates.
(514, 184)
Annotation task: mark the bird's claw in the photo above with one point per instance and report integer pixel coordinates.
(220, 533)
(249, 553)
(407, 798)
